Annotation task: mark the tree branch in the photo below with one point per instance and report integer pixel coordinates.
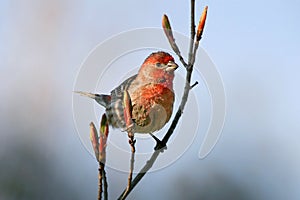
(192, 37)
(101, 167)
(102, 178)
(192, 86)
(105, 184)
(129, 184)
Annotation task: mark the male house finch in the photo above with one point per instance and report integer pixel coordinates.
(150, 92)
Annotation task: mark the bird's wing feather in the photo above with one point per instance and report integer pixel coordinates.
(117, 108)
(119, 91)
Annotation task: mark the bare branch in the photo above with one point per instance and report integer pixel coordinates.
(101, 168)
(192, 37)
(192, 19)
(192, 86)
(131, 141)
(102, 178)
(128, 189)
(105, 183)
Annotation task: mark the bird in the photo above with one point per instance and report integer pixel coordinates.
(150, 96)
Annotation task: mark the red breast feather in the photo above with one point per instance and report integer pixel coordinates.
(149, 96)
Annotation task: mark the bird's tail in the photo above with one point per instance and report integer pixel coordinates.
(102, 99)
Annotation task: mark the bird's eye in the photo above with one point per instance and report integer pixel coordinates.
(158, 65)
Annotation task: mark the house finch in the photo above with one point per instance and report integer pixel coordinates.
(150, 94)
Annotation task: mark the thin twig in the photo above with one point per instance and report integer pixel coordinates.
(99, 141)
(192, 86)
(101, 168)
(200, 29)
(192, 37)
(131, 141)
(105, 183)
(193, 26)
(102, 178)
(169, 34)
(129, 183)
(132, 144)
(131, 168)
(194, 52)
(128, 120)
(182, 60)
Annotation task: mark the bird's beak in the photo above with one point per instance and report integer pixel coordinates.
(171, 66)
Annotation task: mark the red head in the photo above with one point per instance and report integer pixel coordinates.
(158, 68)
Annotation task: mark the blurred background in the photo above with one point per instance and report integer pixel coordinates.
(255, 46)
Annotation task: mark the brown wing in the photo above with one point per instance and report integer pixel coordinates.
(116, 110)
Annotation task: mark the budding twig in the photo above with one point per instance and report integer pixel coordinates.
(94, 140)
(103, 139)
(201, 24)
(129, 128)
(200, 30)
(169, 33)
(99, 147)
(129, 182)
